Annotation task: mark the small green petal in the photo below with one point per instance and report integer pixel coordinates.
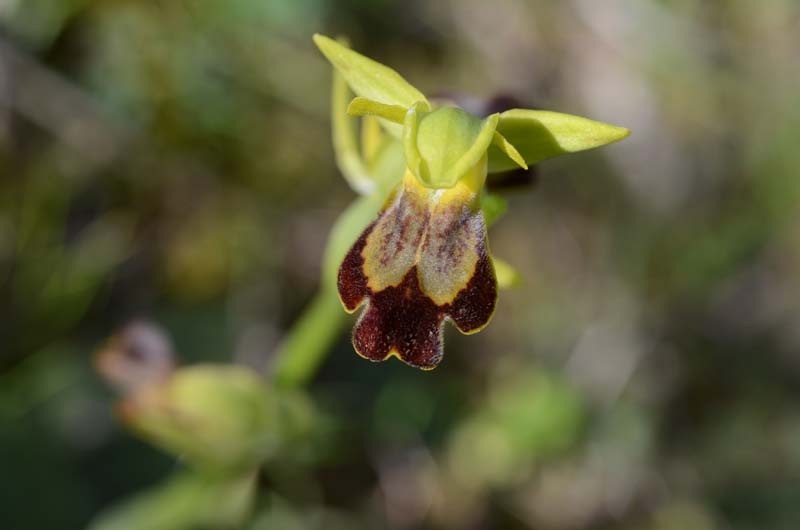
(540, 134)
(507, 275)
(345, 142)
(493, 206)
(387, 165)
(368, 78)
(372, 138)
(508, 149)
(366, 107)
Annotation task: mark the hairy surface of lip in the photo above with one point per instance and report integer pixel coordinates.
(424, 260)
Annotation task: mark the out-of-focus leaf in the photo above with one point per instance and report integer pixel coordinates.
(42, 377)
(186, 502)
(279, 513)
(493, 206)
(529, 416)
(402, 410)
(541, 412)
(58, 281)
(541, 134)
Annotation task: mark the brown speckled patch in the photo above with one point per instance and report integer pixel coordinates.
(351, 281)
(403, 319)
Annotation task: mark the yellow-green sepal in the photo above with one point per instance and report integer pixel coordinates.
(368, 78)
(540, 134)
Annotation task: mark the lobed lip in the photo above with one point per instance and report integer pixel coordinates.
(423, 261)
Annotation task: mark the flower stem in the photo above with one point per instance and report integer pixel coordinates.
(309, 340)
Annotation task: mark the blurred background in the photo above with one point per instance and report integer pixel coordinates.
(172, 160)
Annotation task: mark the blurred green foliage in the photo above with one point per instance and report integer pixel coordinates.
(173, 160)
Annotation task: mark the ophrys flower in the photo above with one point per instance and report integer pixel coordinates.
(425, 259)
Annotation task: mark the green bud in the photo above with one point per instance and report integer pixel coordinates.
(214, 416)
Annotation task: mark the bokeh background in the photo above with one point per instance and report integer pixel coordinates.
(172, 160)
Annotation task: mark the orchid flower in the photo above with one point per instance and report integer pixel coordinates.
(425, 259)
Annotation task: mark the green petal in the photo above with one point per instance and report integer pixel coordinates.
(366, 107)
(345, 140)
(369, 78)
(500, 142)
(387, 164)
(541, 134)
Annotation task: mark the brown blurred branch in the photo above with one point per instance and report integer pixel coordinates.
(58, 106)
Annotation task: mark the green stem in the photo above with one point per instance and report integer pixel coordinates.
(309, 340)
